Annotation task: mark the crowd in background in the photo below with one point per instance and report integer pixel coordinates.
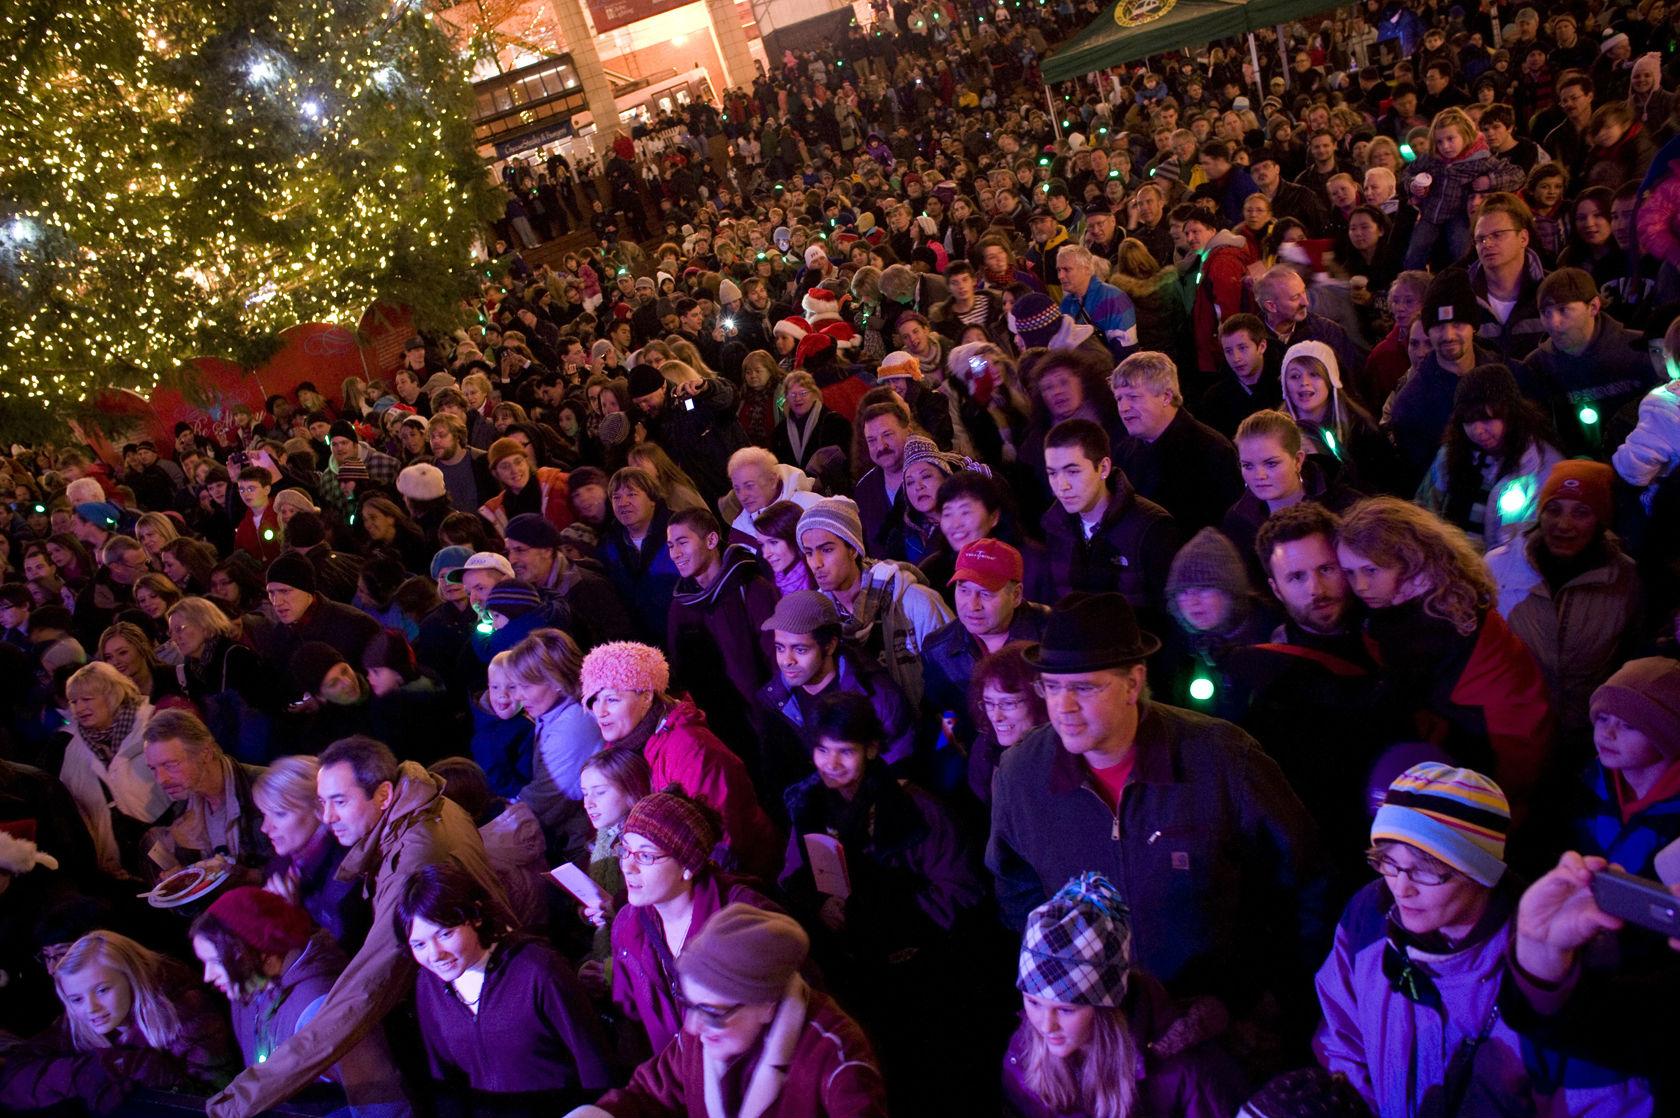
(1207, 559)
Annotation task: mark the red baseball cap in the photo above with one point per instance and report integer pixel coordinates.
(988, 563)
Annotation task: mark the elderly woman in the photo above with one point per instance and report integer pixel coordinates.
(306, 858)
(806, 426)
(625, 687)
(1097, 1037)
(673, 887)
(229, 684)
(753, 1030)
(133, 1020)
(1411, 988)
(105, 765)
(503, 1019)
(274, 966)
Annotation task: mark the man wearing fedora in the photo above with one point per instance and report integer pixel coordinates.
(1184, 813)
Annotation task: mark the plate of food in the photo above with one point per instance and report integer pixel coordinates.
(188, 884)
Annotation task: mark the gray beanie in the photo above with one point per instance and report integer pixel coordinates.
(838, 515)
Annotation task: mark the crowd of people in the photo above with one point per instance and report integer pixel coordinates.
(1210, 556)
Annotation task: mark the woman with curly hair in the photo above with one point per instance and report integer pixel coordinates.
(1494, 457)
(1431, 616)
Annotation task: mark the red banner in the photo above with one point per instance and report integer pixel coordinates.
(611, 14)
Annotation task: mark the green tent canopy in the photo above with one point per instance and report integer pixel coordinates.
(1109, 42)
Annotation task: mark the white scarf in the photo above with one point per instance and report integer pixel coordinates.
(800, 434)
(765, 1085)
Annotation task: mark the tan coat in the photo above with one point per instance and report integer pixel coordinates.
(419, 828)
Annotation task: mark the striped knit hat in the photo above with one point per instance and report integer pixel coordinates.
(1455, 815)
(1078, 946)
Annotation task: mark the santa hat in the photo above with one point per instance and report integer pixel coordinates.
(792, 327)
(845, 337)
(820, 302)
(810, 345)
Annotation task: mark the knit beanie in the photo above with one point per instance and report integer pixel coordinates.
(820, 302)
(1645, 693)
(1649, 63)
(1210, 561)
(623, 666)
(898, 364)
(343, 428)
(1449, 298)
(1035, 318)
(613, 429)
(310, 663)
(815, 255)
(1078, 946)
(292, 569)
(838, 515)
(295, 499)
(266, 921)
(103, 513)
(503, 448)
(676, 824)
(353, 470)
(451, 558)
(512, 598)
(1456, 816)
(1584, 481)
(746, 955)
(532, 530)
(421, 482)
(920, 448)
(644, 380)
(729, 292)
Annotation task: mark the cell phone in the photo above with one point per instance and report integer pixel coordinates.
(729, 324)
(1637, 900)
(688, 403)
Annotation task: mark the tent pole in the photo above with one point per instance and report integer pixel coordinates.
(1055, 113)
(1283, 56)
(1254, 58)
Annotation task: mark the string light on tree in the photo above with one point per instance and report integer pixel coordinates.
(191, 177)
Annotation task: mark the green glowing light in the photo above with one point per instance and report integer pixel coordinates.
(1588, 416)
(1201, 689)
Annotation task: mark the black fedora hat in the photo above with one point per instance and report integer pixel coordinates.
(1091, 632)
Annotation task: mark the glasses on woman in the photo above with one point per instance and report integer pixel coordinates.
(1417, 875)
(642, 858)
(1003, 706)
(716, 1016)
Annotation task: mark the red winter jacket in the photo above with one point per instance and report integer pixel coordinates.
(1219, 295)
(683, 751)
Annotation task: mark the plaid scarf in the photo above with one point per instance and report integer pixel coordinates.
(106, 742)
(856, 626)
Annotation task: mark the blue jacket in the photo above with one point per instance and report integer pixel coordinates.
(1109, 311)
(502, 748)
(644, 577)
(1597, 826)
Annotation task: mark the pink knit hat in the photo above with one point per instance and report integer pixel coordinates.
(623, 666)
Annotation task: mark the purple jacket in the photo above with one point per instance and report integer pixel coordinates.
(642, 975)
(1202, 1081)
(534, 1030)
(49, 1069)
(1393, 1049)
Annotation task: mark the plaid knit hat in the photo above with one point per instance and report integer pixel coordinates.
(838, 515)
(1210, 561)
(1035, 318)
(676, 824)
(1457, 816)
(623, 666)
(1645, 693)
(512, 599)
(1078, 946)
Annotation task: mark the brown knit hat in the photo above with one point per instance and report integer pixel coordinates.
(1645, 694)
(503, 448)
(684, 828)
(745, 954)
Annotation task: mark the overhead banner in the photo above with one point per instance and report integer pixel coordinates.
(609, 15)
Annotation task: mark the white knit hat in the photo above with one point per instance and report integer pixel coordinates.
(421, 482)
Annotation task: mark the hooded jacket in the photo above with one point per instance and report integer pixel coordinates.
(681, 750)
(720, 625)
(1394, 1050)
(1220, 293)
(1652, 449)
(1580, 633)
(908, 612)
(1348, 435)
(795, 486)
(420, 826)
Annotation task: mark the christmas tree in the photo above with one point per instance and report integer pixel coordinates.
(190, 177)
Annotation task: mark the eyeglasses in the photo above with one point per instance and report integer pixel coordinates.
(1003, 706)
(1050, 689)
(642, 858)
(1493, 235)
(714, 1015)
(1417, 875)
